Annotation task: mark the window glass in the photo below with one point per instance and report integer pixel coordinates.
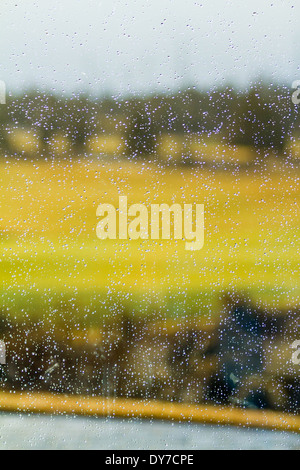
(149, 227)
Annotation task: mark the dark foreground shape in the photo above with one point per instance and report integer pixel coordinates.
(244, 360)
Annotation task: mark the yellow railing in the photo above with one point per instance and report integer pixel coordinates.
(129, 408)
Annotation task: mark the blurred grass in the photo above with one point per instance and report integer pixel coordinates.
(52, 263)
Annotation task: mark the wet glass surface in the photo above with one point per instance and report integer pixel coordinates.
(149, 216)
(39, 432)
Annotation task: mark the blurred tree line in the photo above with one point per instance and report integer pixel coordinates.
(262, 117)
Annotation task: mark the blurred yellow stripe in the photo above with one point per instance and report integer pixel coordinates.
(129, 408)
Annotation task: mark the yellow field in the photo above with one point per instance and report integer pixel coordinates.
(49, 248)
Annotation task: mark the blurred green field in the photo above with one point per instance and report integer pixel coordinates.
(52, 263)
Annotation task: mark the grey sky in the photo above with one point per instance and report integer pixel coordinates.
(120, 46)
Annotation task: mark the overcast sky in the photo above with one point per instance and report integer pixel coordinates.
(133, 46)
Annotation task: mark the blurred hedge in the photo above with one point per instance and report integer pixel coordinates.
(262, 117)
